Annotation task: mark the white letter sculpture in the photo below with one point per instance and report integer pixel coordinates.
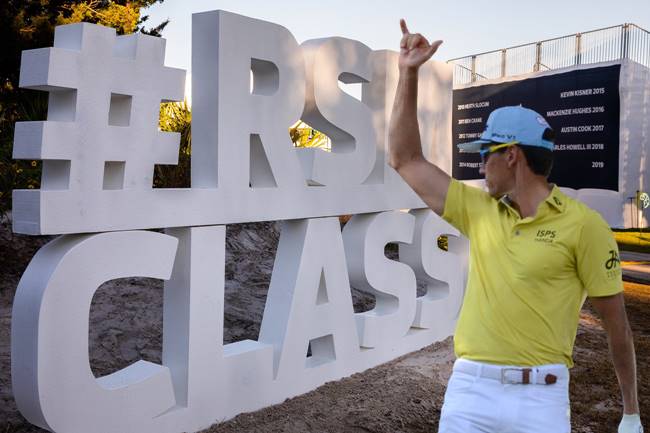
(99, 145)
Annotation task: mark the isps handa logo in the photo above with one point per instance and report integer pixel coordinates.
(613, 264)
(547, 236)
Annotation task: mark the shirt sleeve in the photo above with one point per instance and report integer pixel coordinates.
(598, 262)
(463, 204)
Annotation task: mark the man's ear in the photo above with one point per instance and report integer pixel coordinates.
(513, 155)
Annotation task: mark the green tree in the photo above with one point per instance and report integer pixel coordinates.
(123, 16)
(176, 117)
(303, 135)
(28, 24)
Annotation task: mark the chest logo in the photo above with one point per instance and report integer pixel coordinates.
(545, 236)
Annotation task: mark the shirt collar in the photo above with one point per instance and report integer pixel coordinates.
(507, 202)
(556, 199)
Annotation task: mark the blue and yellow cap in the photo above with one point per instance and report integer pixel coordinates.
(513, 124)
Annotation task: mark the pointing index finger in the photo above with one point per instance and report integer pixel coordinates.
(402, 25)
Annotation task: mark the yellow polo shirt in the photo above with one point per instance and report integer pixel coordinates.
(528, 277)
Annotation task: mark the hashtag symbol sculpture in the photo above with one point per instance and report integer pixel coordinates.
(105, 92)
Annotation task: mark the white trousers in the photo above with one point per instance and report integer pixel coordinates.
(476, 401)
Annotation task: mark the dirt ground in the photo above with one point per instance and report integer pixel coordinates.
(404, 395)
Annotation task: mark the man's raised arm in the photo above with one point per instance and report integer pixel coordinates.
(427, 180)
(621, 347)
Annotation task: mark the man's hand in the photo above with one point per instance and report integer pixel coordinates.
(414, 48)
(630, 424)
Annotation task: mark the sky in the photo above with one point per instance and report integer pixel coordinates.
(467, 27)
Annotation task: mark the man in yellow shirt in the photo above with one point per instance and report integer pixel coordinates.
(536, 254)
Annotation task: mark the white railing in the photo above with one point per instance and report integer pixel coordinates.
(626, 41)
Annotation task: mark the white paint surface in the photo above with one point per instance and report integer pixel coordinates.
(202, 380)
(244, 167)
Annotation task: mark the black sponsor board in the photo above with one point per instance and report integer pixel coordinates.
(583, 108)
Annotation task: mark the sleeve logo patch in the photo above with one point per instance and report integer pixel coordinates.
(613, 260)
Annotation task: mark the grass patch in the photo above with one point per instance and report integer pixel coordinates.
(637, 240)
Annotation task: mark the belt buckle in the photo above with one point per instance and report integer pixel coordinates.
(505, 380)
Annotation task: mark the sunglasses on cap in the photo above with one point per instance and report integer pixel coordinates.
(491, 149)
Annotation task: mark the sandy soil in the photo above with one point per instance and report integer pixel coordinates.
(404, 395)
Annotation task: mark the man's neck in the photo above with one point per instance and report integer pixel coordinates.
(527, 195)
